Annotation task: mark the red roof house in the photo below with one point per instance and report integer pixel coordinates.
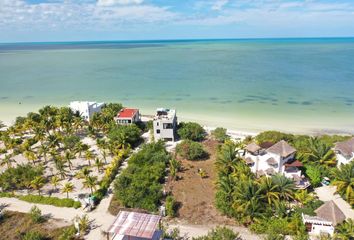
(128, 116)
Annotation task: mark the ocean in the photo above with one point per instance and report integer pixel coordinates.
(293, 85)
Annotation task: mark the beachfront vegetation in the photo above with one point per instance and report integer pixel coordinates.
(344, 176)
(15, 225)
(220, 233)
(219, 134)
(191, 131)
(191, 150)
(51, 151)
(252, 201)
(140, 184)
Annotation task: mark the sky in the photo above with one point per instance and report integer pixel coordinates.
(86, 20)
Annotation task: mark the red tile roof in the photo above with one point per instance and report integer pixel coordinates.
(127, 113)
(135, 224)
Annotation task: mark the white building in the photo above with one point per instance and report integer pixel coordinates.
(327, 217)
(128, 116)
(86, 109)
(276, 159)
(344, 151)
(165, 124)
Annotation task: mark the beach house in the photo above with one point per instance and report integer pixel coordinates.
(128, 116)
(270, 159)
(135, 226)
(86, 109)
(344, 151)
(165, 124)
(327, 217)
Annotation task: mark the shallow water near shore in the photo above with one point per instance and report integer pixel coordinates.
(295, 85)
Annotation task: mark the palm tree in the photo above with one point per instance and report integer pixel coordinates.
(37, 184)
(89, 156)
(68, 188)
(68, 156)
(284, 186)
(268, 190)
(318, 152)
(30, 156)
(344, 176)
(83, 173)
(53, 141)
(55, 181)
(90, 182)
(303, 197)
(228, 155)
(247, 201)
(43, 151)
(99, 164)
(345, 230)
(175, 167)
(80, 147)
(60, 166)
(8, 160)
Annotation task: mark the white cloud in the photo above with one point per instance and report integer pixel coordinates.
(219, 4)
(118, 2)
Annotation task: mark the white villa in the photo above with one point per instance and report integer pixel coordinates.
(273, 159)
(327, 217)
(86, 109)
(344, 151)
(128, 116)
(165, 124)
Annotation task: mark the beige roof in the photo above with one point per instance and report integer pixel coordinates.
(346, 148)
(249, 160)
(282, 148)
(260, 173)
(271, 161)
(252, 147)
(330, 212)
(270, 171)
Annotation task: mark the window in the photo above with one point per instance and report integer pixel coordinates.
(167, 126)
(158, 131)
(157, 123)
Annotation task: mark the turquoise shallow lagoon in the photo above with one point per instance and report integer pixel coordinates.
(296, 85)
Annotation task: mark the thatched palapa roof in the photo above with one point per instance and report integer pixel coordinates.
(252, 147)
(330, 212)
(346, 148)
(282, 148)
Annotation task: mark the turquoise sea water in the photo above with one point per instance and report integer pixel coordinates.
(296, 85)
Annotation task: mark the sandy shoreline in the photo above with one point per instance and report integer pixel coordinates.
(245, 127)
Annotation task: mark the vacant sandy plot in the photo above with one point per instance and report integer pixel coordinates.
(196, 195)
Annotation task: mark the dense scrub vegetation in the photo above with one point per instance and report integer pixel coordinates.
(191, 131)
(20, 177)
(140, 184)
(219, 134)
(15, 225)
(191, 150)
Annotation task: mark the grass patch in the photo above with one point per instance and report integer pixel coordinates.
(58, 202)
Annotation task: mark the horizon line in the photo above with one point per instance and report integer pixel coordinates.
(176, 39)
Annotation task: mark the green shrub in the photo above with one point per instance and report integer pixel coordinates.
(58, 202)
(19, 178)
(274, 137)
(191, 150)
(314, 174)
(220, 233)
(125, 134)
(36, 214)
(7, 194)
(139, 185)
(191, 131)
(171, 206)
(219, 134)
(68, 233)
(33, 235)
